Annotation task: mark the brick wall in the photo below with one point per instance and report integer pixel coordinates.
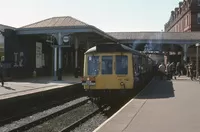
(185, 18)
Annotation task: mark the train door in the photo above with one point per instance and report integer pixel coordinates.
(124, 71)
(106, 71)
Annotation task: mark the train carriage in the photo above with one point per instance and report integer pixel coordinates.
(114, 69)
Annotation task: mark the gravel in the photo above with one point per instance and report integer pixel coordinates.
(39, 115)
(97, 120)
(60, 122)
(91, 124)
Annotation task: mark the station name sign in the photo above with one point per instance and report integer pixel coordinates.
(161, 52)
(151, 52)
(65, 39)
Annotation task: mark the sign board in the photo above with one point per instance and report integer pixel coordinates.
(65, 39)
(38, 55)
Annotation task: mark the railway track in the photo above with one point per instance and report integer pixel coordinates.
(83, 119)
(44, 117)
(36, 110)
(32, 124)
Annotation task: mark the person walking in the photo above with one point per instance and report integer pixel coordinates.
(178, 69)
(192, 71)
(187, 69)
(173, 70)
(168, 71)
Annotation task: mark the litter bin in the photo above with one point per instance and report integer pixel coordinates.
(77, 72)
(59, 74)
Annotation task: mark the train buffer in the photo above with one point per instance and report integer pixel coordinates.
(163, 106)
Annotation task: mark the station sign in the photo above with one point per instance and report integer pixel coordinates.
(162, 52)
(151, 52)
(65, 39)
(174, 53)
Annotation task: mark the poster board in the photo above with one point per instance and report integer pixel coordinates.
(39, 55)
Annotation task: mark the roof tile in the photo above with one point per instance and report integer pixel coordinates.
(57, 22)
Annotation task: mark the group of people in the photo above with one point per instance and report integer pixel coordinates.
(170, 70)
(190, 70)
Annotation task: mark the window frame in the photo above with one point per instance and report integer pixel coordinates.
(102, 64)
(198, 2)
(116, 65)
(198, 18)
(98, 69)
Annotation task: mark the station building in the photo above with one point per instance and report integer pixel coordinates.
(185, 17)
(51, 47)
(2, 27)
(56, 46)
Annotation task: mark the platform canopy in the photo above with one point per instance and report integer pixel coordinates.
(65, 25)
(157, 37)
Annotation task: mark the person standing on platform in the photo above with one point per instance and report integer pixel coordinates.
(161, 70)
(178, 69)
(192, 70)
(173, 70)
(1, 74)
(168, 72)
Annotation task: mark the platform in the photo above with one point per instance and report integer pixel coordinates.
(21, 87)
(163, 106)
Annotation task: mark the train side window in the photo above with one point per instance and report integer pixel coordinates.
(107, 65)
(121, 64)
(93, 62)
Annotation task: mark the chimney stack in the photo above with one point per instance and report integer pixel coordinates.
(180, 4)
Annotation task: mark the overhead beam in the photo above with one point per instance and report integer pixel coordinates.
(161, 41)
(50, 31)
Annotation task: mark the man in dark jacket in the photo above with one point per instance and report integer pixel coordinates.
(173, 70)
(1, 74)
(178, 69)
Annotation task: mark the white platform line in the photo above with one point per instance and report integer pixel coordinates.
(122, 108)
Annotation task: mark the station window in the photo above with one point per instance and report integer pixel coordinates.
(93, 65)
(198, 3)
(198, 18)
(121, 64)
(107, 64)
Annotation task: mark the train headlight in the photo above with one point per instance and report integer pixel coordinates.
(121, 83)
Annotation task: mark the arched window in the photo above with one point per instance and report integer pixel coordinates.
(198, 18)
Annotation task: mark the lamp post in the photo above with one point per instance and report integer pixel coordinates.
(197, 60)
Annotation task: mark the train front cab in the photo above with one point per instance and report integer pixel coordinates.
(108, 73)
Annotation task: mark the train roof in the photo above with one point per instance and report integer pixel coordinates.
(113, 48)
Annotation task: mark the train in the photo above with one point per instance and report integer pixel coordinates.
(112, 70)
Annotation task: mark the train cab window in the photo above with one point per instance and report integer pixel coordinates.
(93, 68)
(107, 64)
(121, 64)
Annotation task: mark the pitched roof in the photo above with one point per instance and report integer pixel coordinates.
(155, 35)
(65, 21)
(2, 27)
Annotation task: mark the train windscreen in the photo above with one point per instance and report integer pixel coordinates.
(107, 65)
(93, 65)
(121, 64)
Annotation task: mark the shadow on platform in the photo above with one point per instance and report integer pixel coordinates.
(8, 88)
(158, 89)
(49, 79)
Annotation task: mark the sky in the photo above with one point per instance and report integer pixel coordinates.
(107, 15)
